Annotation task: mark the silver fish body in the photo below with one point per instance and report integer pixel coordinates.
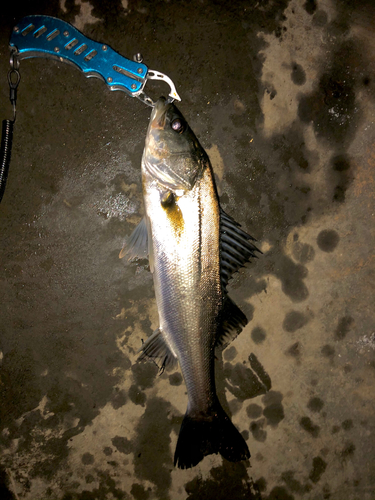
(185, 240)
(188, 237)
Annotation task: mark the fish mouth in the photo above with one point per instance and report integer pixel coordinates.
(158, 115)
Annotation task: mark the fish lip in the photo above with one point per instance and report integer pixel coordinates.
(158, 115)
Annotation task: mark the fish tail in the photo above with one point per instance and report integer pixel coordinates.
(206, 434)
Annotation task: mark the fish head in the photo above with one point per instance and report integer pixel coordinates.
(172, 154)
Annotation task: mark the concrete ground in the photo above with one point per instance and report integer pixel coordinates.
(281, 95)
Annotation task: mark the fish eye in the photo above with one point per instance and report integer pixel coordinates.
(177, 125)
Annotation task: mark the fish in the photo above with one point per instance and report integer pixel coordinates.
(193, 248)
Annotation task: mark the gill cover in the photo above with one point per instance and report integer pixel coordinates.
(172, 153)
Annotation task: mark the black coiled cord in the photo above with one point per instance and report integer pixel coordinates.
(5, 153)
(14, 78)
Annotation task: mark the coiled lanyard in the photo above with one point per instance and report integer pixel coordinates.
(14, 78)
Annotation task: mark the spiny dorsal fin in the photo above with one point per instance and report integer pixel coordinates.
(233, 322)
(236, 248)
(136, 247)
(157, 349)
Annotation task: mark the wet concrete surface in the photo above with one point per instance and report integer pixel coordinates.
(281, 95)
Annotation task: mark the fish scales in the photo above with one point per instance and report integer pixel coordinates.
(187, 280)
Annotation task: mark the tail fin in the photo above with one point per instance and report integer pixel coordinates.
(207, 434)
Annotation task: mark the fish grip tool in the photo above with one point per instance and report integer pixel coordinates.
(50, 37)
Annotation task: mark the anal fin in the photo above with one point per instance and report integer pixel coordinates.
(157, 349)
(233, 322)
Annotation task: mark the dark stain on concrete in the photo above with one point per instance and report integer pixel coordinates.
(273, 410)
(310, 6)
(328, 351)
(307, 425)
(261, 484)
(247, 383)
(343, 327)
(328, 240)
(144, 374)
(320, 18)
(230, 480)
(257, 430)
(331, 107)
(295, 351)
(326, 490)
(294, 320)
(87, 459)
(153, 440)
(119, 398)
(136, 396)
(242, 382)
(298, 75)
(230, 353)
(234, 406)
(291, 276)
(139, 492)
(315, 404)
(293, 484)
(122, 444)
(245, 434)
(348, 368)
(347, 425)
(107, 450)
(175, 379)
(347, 451)
(318, 468)
(341, 176)
(254, 411)
(303, 252)
(258, 335)
(106, 489)
(279, 493)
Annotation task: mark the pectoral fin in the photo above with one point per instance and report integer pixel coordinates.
(233, 322)
(136, 247)
(139, 244)
(157, 349)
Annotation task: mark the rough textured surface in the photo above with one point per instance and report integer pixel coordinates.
(281, 95)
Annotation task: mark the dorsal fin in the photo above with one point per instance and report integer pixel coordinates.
(236, 248)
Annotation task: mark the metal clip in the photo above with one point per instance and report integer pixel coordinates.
(156, 75)
(14, 78)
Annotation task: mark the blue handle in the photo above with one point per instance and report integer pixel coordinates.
(44, 36)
